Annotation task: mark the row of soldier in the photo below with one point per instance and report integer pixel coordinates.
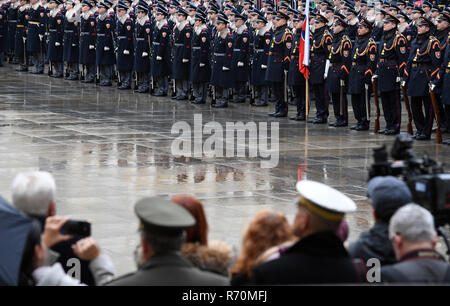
(243, 50)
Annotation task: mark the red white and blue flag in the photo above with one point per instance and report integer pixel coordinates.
(304, 44)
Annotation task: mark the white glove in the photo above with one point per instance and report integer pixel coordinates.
(106, 48)
(158, 58)
(202, 65)
(57, 44)
(374, 77)
(24, 39)
(74, 45)
(327, 67)
(398, 79)
(144, 54)
(91, 47)
(185, 60)
(240, 64)
(263, 67)
(126, 52)
(225, 68)
(342, 83)
(403, 83)
(41, 36)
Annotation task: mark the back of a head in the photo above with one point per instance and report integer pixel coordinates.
(266, 230)
(387, 194)
(32, 192)
(199, 232)
(414, 223)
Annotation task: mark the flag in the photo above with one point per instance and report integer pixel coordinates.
(304, 44)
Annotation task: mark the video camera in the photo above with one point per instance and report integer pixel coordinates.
(429, 185)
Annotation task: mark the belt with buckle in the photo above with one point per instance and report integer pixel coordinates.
(219, 54)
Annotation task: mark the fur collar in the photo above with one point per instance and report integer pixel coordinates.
(198, 30)
(241, 29)
(402, 27)
(160, 24)
(86, 15)
(181, 25)
(142, 20)
(224, 33)
(216, 257)
(24, 7)
(191, 19)
(102, 16)
(123, 18)
(354, 21)
(54, 12)
(263, 30)
(73, 15)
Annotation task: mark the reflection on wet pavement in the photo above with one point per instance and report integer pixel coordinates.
(108, 148)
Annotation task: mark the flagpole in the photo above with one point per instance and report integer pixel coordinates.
(307, 97)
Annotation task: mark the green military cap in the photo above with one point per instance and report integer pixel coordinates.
(159, 213)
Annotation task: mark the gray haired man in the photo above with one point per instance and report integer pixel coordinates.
(413, 237)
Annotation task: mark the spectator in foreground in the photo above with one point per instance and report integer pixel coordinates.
(34, 273)
(414, 238)
(319, 256)
(267, 229)
(34, 194)
(162, 228)
(386, 194)
(275, 252)
(213, 256)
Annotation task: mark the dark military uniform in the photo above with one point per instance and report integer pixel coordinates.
(105, 58)
(55, 42)
(278, 63)
(35, 36)
(442, 81)
(71, 44)
(87, 46)
(181, 59)
(20, 38)
(422, 67)
(392, 55)
(317, 258)
(200, 72)
(3, 32)
(142, 53)
(12, 24)
(363, 65)
(125, 50)
(321, 42)
(240, 62)
(262, 41)
(296, 78)
(442, 36)
(161, 63)
(337, 79)
(221, 76)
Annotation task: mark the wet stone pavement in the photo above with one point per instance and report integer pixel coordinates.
(108, 148)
